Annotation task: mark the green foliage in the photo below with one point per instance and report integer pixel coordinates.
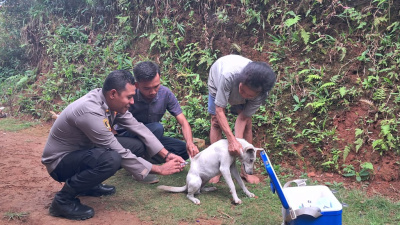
(305, 35)
(292, 21)
(160, 39)
(367, 170)
(346, 152)
(253, 16)
(299, 103)
(333, 161)
(389, 136)
(16, 84)
(359, 141)
(365, 173)
(222, 16)
(13, 52)
(316, 133)
(326, 56)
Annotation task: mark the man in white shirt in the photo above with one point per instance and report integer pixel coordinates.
(243, 84)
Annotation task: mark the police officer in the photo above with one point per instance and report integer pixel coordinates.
(82, 150)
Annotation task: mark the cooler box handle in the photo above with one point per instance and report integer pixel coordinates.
(309, 211)
(299, 182)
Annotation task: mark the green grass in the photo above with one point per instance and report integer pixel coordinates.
(15, 215)
(158, 207)
(12, 124)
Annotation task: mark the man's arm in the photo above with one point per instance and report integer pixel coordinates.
(187, 134)
(234, 146)
(174, 162)
(174, 108)
(240, 125)
(95, 129)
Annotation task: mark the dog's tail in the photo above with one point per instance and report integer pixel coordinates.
(173, 189)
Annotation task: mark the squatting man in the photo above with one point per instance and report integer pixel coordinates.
(83, 152)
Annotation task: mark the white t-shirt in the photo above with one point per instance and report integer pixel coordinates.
(223, 84)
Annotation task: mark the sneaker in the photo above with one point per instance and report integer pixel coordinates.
(149, 179)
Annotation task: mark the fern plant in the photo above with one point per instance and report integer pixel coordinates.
(359, 142)
(292, 21)
(379, 94)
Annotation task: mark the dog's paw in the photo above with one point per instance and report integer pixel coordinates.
(251, 195)
(237, 202)
(196, 201)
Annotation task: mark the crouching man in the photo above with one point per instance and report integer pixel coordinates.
(82, 150)
(243, 84)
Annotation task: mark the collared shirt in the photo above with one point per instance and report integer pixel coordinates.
(223, 84)
(86, 123)
(150, 112)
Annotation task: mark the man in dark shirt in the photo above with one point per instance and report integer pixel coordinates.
(152, 100)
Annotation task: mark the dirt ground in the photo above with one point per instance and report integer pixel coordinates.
(26, 186)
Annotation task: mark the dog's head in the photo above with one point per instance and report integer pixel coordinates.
(248, 156)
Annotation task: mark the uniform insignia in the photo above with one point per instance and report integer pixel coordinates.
(107, 124)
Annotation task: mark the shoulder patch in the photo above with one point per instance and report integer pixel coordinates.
(107, 124)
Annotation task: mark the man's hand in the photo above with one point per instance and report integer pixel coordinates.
(172, 166)
(172, 156)
(234, 147)
(192, 149)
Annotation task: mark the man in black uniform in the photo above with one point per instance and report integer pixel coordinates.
(82, 150)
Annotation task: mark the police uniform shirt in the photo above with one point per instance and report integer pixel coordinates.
(86, 123)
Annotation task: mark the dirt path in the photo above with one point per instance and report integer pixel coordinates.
(26, 186)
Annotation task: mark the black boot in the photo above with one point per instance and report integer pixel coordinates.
(99, 190)
(66, 205)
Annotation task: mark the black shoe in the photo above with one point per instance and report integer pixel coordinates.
(99, 190)
(70, 209)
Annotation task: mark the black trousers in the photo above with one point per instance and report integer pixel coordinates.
(173, 145)
(87, 168)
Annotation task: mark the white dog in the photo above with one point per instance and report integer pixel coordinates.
(214, 160)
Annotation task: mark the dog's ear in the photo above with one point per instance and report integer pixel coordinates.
(248, 149)
(258, 149)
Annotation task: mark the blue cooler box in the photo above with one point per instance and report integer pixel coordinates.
(304, 205)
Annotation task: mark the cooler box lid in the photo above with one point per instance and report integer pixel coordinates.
(274, 181)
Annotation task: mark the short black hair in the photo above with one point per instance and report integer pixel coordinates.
(146, 71)
(117, 80)
(258, 76)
